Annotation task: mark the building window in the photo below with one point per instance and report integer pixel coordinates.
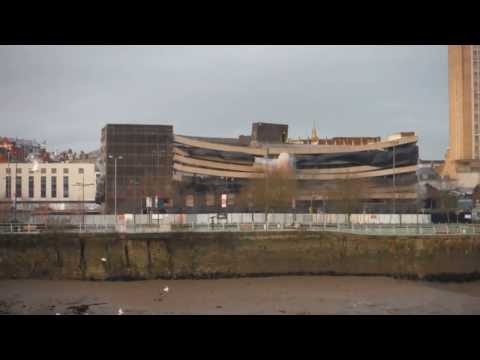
(8, 187)
(189, 201)
(18, 186)
(65, 171)
(231, 199)
(9, 171)
(30, 187)
(65, 186)
(54, 170)
(19, 170)
(210, 199)
(43, 171)
(54, 186)
(80, 170)
(43, 187)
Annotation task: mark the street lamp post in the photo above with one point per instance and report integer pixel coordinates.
(155, 166)
(82, 184)
(13, 185)
(135, 183)
(266, 196)
(120, 157)
(10, 174)
(394, 183)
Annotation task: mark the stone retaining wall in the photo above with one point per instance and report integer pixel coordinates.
(212, 255)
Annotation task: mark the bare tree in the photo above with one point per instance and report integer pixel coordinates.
(476, 196)
(345, 196)
(446, 202)
(150, 186)
(5, 210)
(274, 191)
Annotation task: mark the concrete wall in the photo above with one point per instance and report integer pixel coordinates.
(207, 255)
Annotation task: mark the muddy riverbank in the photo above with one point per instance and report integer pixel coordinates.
(290, 295)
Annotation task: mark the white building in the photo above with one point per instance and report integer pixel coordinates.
(57, 185)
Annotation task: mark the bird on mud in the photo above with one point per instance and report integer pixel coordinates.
(163, 294)
(120, 311)
(103, 260)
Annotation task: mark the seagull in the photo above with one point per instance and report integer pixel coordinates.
(120, 311)
(58, 314)
(103, 260)
(165, 289)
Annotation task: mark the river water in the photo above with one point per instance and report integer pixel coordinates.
(289, 295)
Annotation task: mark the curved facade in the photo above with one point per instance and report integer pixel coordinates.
(160, 170)
(211, 167)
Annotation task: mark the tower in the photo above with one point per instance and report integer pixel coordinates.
(464, 103)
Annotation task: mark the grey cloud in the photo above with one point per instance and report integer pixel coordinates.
(66, 94)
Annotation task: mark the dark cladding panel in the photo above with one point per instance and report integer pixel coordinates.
(269, 133)
(146, 152)
(404, 155)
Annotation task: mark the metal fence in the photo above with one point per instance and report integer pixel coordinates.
(231, 218)
(367, 229)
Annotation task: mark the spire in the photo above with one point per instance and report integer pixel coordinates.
(314, 138)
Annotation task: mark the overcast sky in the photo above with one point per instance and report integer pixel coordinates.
(66, 94)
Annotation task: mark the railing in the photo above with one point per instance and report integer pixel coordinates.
(368, 229)
(22, 228)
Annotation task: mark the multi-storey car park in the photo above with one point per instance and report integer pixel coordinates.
(194, 174)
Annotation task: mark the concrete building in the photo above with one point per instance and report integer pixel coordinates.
(159, 171)
(269, 133)
(463, 156)
(57, 186)
(206, 169)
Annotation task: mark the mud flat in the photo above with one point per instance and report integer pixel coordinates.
(290, 295)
